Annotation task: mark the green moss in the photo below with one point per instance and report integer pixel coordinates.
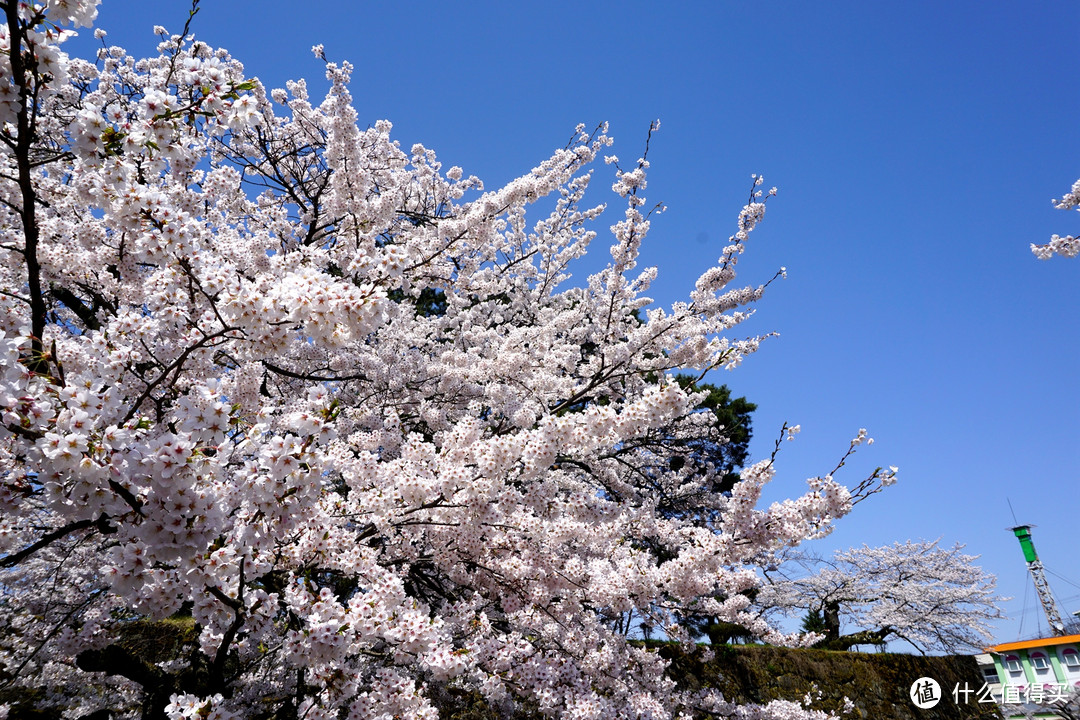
(159, 640)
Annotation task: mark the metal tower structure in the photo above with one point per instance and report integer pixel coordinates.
(1023, 534)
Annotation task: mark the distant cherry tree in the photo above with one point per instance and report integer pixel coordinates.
(297, 423)
(935, 599)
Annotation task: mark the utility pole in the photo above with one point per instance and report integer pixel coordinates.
(1023, 534)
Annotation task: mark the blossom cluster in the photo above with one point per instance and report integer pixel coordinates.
(1068, 246)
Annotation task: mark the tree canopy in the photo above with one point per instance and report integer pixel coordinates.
(934, 598)
(334, 418)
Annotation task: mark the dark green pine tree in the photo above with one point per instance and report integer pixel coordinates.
(814, 622)
(729, 451)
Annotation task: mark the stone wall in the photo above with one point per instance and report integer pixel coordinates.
(877, 683)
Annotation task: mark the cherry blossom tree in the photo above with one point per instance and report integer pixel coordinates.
(1068, 246)
(332, 419)
(935, 599)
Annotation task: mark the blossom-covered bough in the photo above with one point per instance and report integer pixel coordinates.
(275, 383)
(1068, 246)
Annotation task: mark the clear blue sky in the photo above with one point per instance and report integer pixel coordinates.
(916, 146)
